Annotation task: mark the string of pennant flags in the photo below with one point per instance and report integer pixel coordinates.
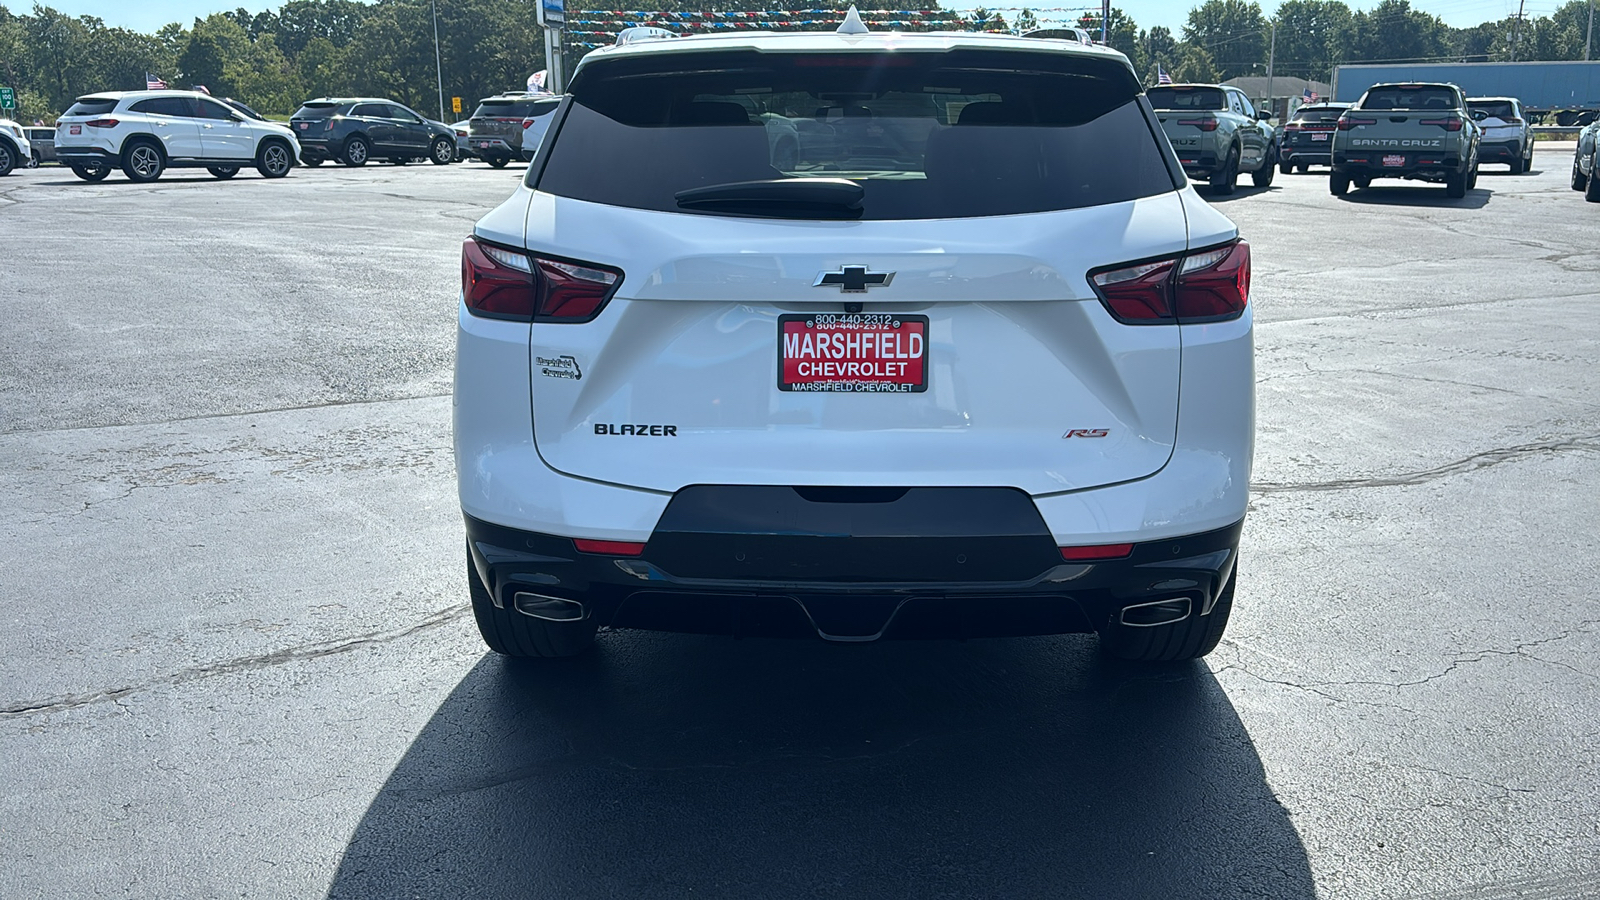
(597, 28)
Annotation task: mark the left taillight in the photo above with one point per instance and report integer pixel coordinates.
(501, 283)
(102, 123)
(1210, 285)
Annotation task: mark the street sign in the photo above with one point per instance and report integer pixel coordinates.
(551, 13)
(8, 98)
(455, 104)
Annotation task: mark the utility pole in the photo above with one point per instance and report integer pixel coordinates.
(1589, 41)
(1516, 31)
(1272, 55)
(438, 64)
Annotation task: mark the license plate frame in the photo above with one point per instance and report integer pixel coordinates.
(1394, 160)
(1319, 136)
(903, 372)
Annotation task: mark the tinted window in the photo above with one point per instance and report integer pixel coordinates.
(1409, 98)
(316, 110)
(41, 134)
(241, 108)
(1317, 115)
(505, 109)
(927, 135)
(1185, 98)
(544, 108)
(165, 106)
(371, 110)
(400, 112)
(211, 109)
(91, 106)
(1500, 109)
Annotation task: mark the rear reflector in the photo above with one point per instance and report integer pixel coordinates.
(1102, 551)
(610, 548)
(1204, 286)
(501, 283)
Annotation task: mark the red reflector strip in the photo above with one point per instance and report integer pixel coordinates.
(610, 548)
(1102, 551)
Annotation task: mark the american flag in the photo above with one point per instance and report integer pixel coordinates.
(152, 83)
(1309, 96)
(1161, 75)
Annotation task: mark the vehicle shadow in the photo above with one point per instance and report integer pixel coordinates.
(675, 766)
(1398, 195)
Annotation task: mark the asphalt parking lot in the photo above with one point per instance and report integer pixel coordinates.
(237, 658)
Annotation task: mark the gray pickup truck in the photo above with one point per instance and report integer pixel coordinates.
(1421, 132)
(1216, 133)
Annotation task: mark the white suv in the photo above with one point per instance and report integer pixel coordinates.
(15, 149)
(147, 132)
(972, 360)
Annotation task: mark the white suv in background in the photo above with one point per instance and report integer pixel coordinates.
(972, 360)
(15, 149)
(147, 132)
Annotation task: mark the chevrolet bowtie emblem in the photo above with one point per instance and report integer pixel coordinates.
(854, 279)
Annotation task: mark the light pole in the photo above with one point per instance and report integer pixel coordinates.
(438, 64)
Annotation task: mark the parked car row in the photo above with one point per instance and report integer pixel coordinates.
(1584, 175)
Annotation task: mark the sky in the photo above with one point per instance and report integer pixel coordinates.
(149, 15)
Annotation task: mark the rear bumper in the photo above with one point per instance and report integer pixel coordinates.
(81, 155)
(1499, 151)
(1318, 154)
(497, 148)
(1412, 165)
(738, 585)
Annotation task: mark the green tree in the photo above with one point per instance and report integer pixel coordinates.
(1313, 35)
(1395, 32)
(1025, 22)
(1232, 32)
(1194, 64)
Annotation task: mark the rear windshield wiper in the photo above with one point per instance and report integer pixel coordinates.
(792, 198)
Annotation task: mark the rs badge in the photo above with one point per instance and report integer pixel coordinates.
(1087, 433)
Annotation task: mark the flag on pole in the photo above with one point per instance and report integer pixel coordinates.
(1161, 75)
(152, 83)
(1309, 95)
(202, 89)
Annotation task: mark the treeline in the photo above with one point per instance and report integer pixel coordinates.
(312, 48)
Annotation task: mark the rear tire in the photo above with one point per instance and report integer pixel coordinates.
(1225, 178)
(1187, 639)
(1303, 168)
(1263, 176)
(1472, 177)
(1362, 182)
(1285, 168)
(142, 161)
(1518, 166)
(356, 151)
(1455, 185)
(1338, 184)
(499, 162)
(442, 153)
(511, 633)
(311, 160)
(1578, 181)
(1592, 192)
(95, 171)
(223, 172)
(8, 159)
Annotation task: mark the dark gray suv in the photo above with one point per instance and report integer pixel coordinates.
(353, 131)
(495, 129)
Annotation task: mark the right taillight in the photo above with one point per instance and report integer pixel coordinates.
(501, 283)
(1203, 286)
(102, 123)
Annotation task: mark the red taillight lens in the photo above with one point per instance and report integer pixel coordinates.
(610, 548)
(501, 283)
(1213, 284)
(1101, 551)
(526, 124)
(1513, 121)
(102, 123)
(1450, 124)
(1346, 123)
(1202, 124)
(1140, 293)
(1293, 126)
(1209, 285)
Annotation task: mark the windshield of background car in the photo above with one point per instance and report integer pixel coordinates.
(244, 109)
(91, 106)
(505, 109)
(316, 110)
(1409, 98)
(1317, 116)
(927, 135)
(1186, 98)
(1500, 109)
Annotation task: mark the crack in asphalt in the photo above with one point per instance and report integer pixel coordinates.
(225, 415)
(310, 651)
(1406, 479)
(1466, 658)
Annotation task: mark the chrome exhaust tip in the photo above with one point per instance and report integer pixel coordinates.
(1157, 612)
(549, 609)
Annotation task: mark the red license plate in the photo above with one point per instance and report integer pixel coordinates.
(76, 129)
(1393, 161)
(853, 353)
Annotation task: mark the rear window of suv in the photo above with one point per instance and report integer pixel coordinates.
(91, 106)
(316, 110)
(952, 134)
(505, 109)
(1319, 115)
(1186, 98)
(1409, 98)
(1500, 109)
